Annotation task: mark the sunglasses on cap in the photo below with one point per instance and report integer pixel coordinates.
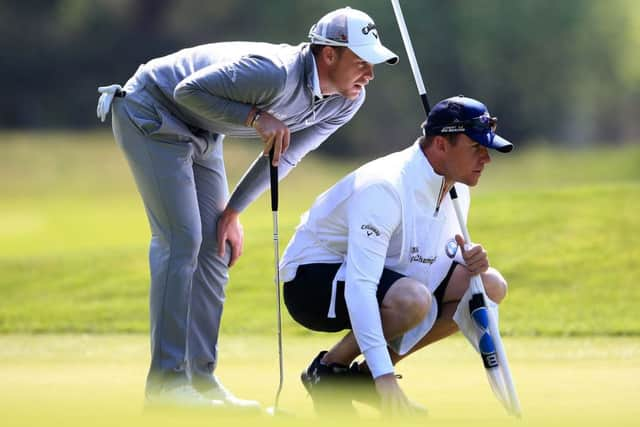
(482, 123)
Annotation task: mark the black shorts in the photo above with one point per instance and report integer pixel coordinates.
(308, 296)
(438, 294)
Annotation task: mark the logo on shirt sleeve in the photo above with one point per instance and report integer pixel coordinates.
(370, 229)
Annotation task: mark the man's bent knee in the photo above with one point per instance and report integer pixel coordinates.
(408, 300)
(495, 285)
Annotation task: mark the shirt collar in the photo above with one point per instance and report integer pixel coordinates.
(315, 79)
(428, 181)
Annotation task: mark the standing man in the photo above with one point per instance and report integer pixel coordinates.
(369, 256)
(170, 120)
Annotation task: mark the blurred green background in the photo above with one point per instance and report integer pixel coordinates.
(566, 71)
(558, 216)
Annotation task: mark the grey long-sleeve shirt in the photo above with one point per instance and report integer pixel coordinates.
(214, 86)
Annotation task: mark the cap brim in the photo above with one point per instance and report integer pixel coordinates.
(491, 140)
(375, 54)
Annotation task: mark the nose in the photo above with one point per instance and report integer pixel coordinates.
(486, 157)
(369, 72)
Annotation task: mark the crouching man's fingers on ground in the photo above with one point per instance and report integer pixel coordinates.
(393, 401)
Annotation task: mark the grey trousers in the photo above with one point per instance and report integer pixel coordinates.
(182, 181)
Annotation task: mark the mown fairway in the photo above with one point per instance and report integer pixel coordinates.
(97, 380)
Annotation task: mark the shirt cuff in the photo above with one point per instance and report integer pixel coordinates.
(378, 361)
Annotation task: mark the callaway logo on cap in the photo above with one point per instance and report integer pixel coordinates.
(353, 29)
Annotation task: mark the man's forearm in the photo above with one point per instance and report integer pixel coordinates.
(256, 180)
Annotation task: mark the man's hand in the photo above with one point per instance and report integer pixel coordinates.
(393, 400)
(274, 133)
(230, 230)
(474, 256)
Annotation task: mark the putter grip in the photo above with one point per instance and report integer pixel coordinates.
(273, 177)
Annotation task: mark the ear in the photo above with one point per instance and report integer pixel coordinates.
(440, 143)
(328, 55)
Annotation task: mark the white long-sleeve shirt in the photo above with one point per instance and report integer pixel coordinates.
(384, 214)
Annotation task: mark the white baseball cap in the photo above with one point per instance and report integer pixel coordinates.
(353, 29)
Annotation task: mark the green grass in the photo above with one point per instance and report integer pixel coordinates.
(79, 380)
(562, 226)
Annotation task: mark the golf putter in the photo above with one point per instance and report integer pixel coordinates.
(273, 176)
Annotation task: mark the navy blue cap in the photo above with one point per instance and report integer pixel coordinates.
(460, 114)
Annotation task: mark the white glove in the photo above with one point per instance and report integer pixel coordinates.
(104, 103)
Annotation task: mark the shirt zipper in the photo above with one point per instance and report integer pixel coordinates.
(441, 195)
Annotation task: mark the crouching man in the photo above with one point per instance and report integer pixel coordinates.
(377, 254)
